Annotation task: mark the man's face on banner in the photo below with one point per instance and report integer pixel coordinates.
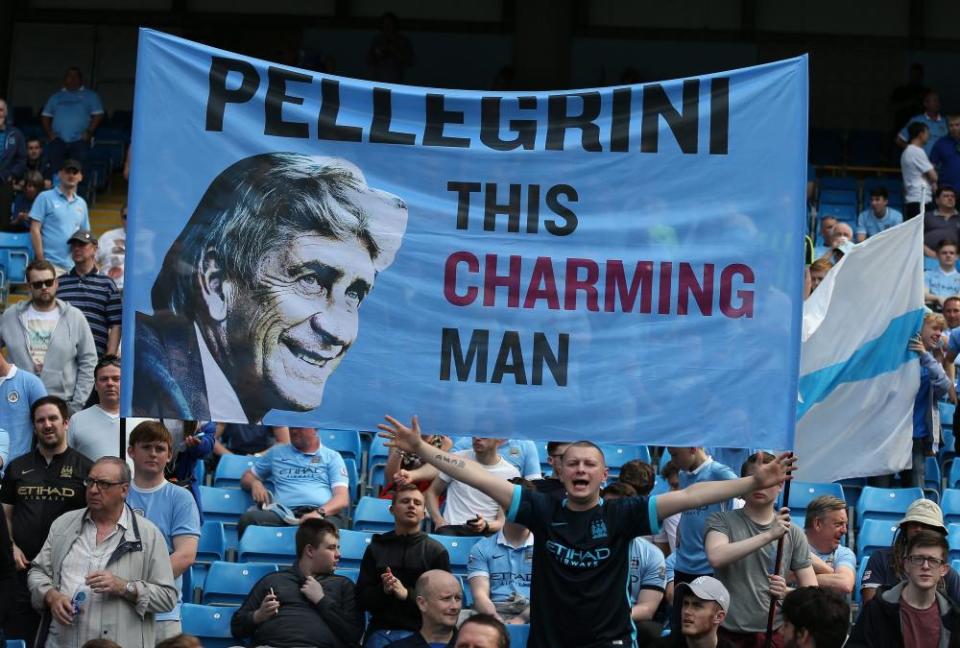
(299, 319)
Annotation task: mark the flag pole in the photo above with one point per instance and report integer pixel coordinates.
(771, 615)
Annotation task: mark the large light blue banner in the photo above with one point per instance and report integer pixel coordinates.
(621, 264)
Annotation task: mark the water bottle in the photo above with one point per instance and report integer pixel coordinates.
(78, 600)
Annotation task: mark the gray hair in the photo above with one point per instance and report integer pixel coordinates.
(125, 475)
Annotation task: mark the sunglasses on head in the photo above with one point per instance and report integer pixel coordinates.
(45, 283)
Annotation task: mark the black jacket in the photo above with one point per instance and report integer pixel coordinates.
(878, 625)
(335, 622)
(407, 556)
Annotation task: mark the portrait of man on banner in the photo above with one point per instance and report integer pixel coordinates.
(257, 301)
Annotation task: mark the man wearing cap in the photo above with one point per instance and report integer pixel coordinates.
(92, 292)
(257, 301)
(885, 566)
(55, 215)
(705, 605)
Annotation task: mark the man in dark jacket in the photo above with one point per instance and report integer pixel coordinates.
(912, 613)
(391, 566)
(440, 599)
(307, 604)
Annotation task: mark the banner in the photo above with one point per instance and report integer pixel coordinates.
(858, 380)
(621, 264)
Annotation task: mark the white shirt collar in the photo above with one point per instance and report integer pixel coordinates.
(501, 539)
(702, 466)
(222, 399)
(10, 374)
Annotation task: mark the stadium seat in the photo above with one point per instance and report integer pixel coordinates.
(802, 493)
(373, 515)
(617, 455)
(846, 212)
(459, 550)
(353, 477)
(346, 442)
(16, 643)
(950, 505)
(353, 544)
(518, 635)
(953, 480)
(885, 503)
(193, 581)
(268, 544)
(213, 542)
(376, 462)
(838, 196)
(225, 505)
(857, 598)
(352, 574)
(732, 458)
(229, 583)
(875, 534)
(953, 540)
(842, 183)
(660, 486)
(210, 624)
(18, 252)
(932, 481)
(230, 470)
(544, 457)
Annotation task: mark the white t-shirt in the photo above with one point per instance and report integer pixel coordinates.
(40, 326)
(94, 433)
(465, 502)
(913, 164)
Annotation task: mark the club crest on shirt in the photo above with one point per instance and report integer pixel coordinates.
(598, 529)
(315, 459)
(66, 472)
(140, 512)
(13, 397)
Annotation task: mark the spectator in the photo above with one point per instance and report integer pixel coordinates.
(37, 488)
(827, 223)
(103, 643)
(439, 599)
(306, 604)
(841, 241)
(95, 431)
(310, 480)
(705, 605)
(944, 280)
(19, 390)
(647, 575)
(499, 574)
(8, 577)
(934, 385)
(482, 631)
(521, 453)
(51, 337)
(815, 618)
(181, 641)
(951, 313)
(907, 100)
(741, 545)
(196, 445)
(945, 155)
(23, 203)
(391, 565)
(942, 223)
(390, 53)
(931, 118)
(919, 176)
(56, 214)
(666, 538)
(552, 484)
(69, 118)
(879, 217)
(38, 162)
(818, 271)
(639, 475)
(404, 468)
(912, 612)
(13, 158)
(668, 565)
(885, 568)
(171, 508)
(570, 582)
(93, 293)
(248, 439)
(696, 466)
(112, 250)
(468, 511)
(103, 571)
(825, 526)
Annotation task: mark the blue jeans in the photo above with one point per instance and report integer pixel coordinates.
(381, 638)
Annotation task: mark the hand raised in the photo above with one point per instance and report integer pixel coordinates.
(401, 436)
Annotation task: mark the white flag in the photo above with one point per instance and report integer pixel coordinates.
(858, 380)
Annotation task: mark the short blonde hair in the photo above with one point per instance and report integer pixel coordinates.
(937, 319)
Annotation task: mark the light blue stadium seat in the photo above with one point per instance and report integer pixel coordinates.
(230, 470)
(467, 592)
(213, 542)
(229, 583)
(353, 544)
(732, 458)
(845, 212)
(617, 455)
(932, 480)
(346, 442)
(18, 253)
(953, 480)
(376, 462)
(459, 550)
(838, 195)
(373, 514)
(873, 535)
(268, 544)
(210, 624)
(518, 635)
(16, 643)
(950, 505)
(858, 599)
(953, 540)
(353, 477)
(352, 574)
(225, 505)
(885, 503)
(802, 493)
(193, 581)
(834, 182)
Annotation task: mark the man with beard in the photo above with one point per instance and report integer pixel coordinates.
(37, 489)
(51, 338)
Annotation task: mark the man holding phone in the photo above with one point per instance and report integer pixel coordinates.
(468, 511)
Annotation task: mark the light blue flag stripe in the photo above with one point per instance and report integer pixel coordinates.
(878, 356)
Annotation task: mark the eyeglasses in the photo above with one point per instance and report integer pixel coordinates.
(101, 484)
(46, 283)
(919, 561)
